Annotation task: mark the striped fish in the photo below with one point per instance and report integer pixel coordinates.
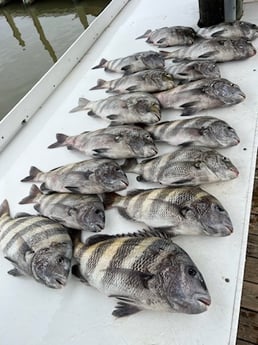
(201, 94)
(36, 246)
(91, 176)
(201, 130)
(178, 211)
(133, 107)
(194, 70)
(133, 63)
(170, 36)
(214, 49)
(146, 81)
(234, 29)
(115, 142)
(190, 166)
(142, 272)
(76, 211)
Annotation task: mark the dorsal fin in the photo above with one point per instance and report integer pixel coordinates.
(4, 208)
(144, 233)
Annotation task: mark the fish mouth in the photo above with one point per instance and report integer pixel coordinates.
(59, 282)
(235, 171)
(205, 300)
(97, 227)
(124, 183)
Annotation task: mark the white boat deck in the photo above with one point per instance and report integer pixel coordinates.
(32, 314)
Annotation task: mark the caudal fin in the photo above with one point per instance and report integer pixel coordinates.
(101, 84)
(129, 165)
(61, 141)
(145, 35)
(4, 208)
(33, 175)
(101, 64)
(109, 199)
(33, 195)
(169, 55)
(82, 105)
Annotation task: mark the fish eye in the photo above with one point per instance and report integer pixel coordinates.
(219, 208)
(97, 211)
(192, 272)
(60, 260)
(118, 138)
(225, 159)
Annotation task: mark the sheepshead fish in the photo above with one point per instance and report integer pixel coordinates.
(115, 142)
(177, 211)
(142, 272)
(194, 70)
(201, 94)
(235, 29)
(215, 49)
(146, 81)
(36, 246)
(184, 167)
(198, 131)
(133, 63)
(133, 107)
(76, 211)
(170, 36)
(91, 176)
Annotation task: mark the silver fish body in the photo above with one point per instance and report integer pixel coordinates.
(170, 36)
(176, 210)
(235, 29)
(133, 107)
(197, 131)
(75, 211)
(194, 70)
(142, 272)
(36, 246)
(184, 167)
(86, 177)
(146, 81)
(133, 63)
(215, 49)
(114, 142)
(201, 94)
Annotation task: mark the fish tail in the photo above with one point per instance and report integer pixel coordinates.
(33, 195)
(61, 139)
(75, 236)
(129, 165)
(109, 199)
(4, 208)
(101, 64)
(101, 84)
(82, 104)
(33, 175)
(168, 55)
(145, 35)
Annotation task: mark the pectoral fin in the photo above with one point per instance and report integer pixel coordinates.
(132, 88)
(100, 152)
(15, 272)
(218, 33)
(207, 55)
(124, 309)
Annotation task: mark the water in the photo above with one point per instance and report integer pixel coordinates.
(34, 37)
